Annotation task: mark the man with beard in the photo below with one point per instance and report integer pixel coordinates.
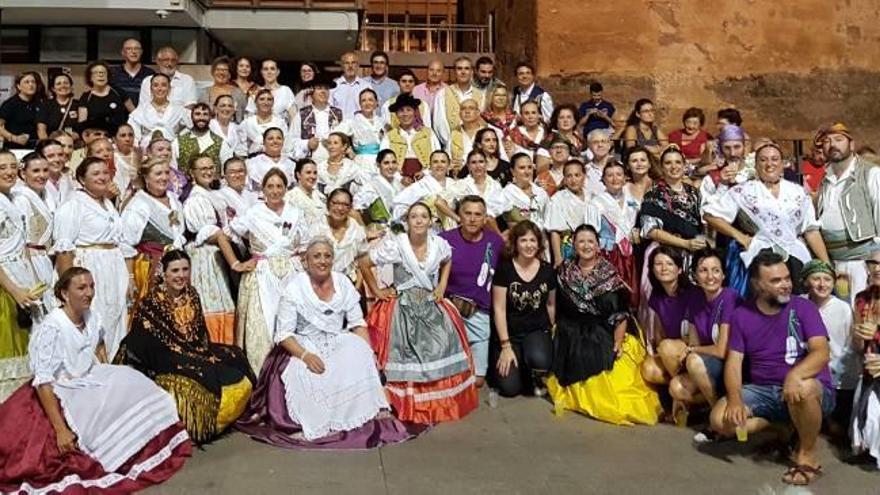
(784, 344)
(730, 169)
(485, 79)
(848, 207)
(183, 88)
(198, 141)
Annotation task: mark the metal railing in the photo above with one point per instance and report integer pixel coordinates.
(432, 38)
(285, 4)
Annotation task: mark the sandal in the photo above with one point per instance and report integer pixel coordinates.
(801, 474)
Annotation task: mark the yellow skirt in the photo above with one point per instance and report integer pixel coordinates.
(13, 339)
(619, 396)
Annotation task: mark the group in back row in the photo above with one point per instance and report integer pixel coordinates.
(246, 302)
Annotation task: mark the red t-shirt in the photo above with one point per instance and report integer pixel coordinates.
(691, 151)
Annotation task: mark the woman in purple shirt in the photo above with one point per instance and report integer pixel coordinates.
(669, 284)
(707, 315)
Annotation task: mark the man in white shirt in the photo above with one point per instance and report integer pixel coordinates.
(447, 104)
(528, 90)
(851, 186)
(346, 95)
(183, 88)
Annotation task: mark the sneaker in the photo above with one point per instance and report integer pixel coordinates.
(540, 391)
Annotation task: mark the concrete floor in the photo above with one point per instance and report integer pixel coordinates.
(517, 448)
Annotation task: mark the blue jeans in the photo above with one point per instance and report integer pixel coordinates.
(478, 331)
(715, 370)
(765, 401)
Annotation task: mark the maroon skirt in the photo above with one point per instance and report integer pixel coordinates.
(30, 460)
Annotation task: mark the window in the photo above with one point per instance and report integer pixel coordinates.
(14, 45)
(183, 40)
(110, 43)
(63, 44)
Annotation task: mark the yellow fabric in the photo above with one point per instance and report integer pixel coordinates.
(233, 401)
(452, 104)
(13, 339)
(142, 266)
(197, 407)
(221, 327)
(421, 145)
(456, 147)
(619, 396)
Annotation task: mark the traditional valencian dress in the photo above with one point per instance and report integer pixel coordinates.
(15, 264)
(587, 377)
(376, 198)
(366, 134)
(39, 216)
(566, 212)
(427, 190)
(520, 205)
(168, 342)
(209, 274)
(492, 193)
(296, 408)
(775, 223)
(258, 166)
(93, 232)
(349, 176)
(128, 433)
(421, 343)
(616, 219)
(313, 207)
(274, 241)
(151, 228)
(347, 250)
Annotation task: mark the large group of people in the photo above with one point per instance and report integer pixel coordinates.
(346, 264)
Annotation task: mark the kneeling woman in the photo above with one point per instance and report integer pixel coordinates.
(169, 343)
(321, 372)
(596, 362)
(708, 313)
(84, 425)
(419, 337)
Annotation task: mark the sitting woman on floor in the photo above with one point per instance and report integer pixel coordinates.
(320, 387)
(708, 312)
(83, 425)
(169, 342)
(596, 361)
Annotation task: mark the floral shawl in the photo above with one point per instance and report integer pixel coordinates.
(585, 290)
(679, 211)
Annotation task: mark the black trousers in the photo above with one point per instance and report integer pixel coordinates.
(534, 353)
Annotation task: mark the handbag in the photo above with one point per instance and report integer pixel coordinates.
(466, 307)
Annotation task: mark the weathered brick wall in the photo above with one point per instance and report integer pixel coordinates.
(788, 65)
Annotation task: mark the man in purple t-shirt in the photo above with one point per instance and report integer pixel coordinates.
(475, 252)
(785, 345)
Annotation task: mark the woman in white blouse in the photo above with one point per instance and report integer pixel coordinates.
(152, 221)
(348, 236)
(208, 250)
(524, 200)
(273, 156)
(223, 125)
(365, 129)
(118, 431)
(88, 232)
(39, 209)
(276, 231)
(322, 369)
(256, 125)
(159, 114)
(284, 102)
(338, 170)
(17, 281)
(305, 195)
